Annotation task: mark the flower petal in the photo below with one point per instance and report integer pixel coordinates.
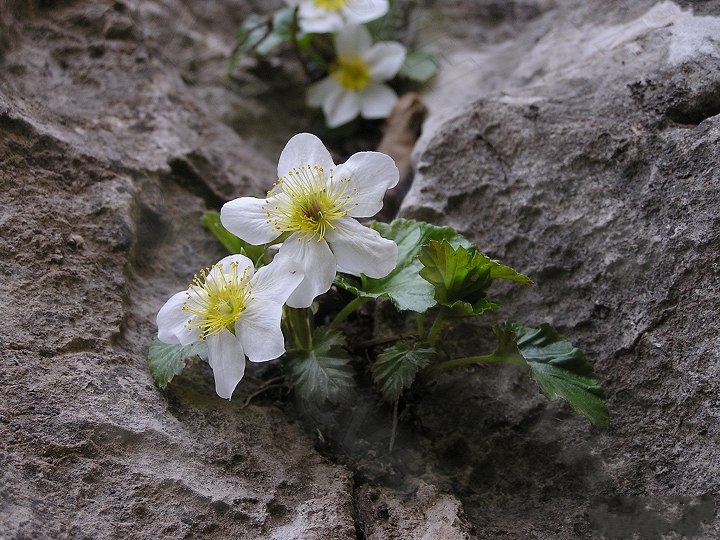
(362, 11)
(377, 100)
(352, 39)
(359, 249)
(317, 263)
(371, 174)
(224, 265)
(276, 281)
(322, 91)
(246, 218)
(258, 329)
(342, 110)
(316, 20)
(172, 322)
(385, 59)
(227, 360)
(303, 149)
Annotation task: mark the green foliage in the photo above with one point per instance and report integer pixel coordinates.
(419, 66)
(165, 361)
(560, 370)
(261, 34)
(397, 366)
(461, 276)
(404, 286)
(232, 243)
(322, 372)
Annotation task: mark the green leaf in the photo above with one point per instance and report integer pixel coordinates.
(560, 370)
(323, 373)
(165, 361)
(232, 243)
(419, 66)
(260, 34)
(397, 366)
(404, 286)
(461, 276)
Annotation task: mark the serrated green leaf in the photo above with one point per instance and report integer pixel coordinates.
(404, 286)
(560, 370)
(397, 366)
(419, 66)
(500, 271)
(461, 276)
(232, 243)
(323, 373)
(165, 361)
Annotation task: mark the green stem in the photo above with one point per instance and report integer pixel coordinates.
(483, 359)
(294, 40)
(437, 327)
(301, 327)
(347, 310)
(393, 433)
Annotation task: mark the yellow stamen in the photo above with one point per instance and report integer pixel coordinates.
(351, 71)
(217, 299)
(330, 5)
(309, 201)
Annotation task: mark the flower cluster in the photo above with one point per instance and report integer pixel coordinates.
(312, 209)
(349, 79)
(355, 83)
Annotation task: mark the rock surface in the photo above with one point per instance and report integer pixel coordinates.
(589, 159)
(108, 160)
(576, 141)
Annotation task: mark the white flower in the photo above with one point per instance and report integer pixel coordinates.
(354, 85)
(236, 310)
(321, 16)
(314, 203)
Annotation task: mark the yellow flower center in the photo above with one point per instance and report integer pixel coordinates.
(330, 5)
(310, 202)
(351, 71)
(217, 299)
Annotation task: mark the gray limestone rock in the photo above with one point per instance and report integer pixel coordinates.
(590, 161)
(576, 141)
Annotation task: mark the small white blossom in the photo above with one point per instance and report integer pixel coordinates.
(236, 310)
(322, 16)
(355, 83)
(314, 203)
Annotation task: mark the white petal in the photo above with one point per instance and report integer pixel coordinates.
(352, 39)
(303, 149)
(321, 91)
(371, 174)
(276, 281)
(242, 263)
(359, 249)
(342, 110)
(246, 218)
(172, 322)
(227, 360)
(316, 20)
(385, 59)
(317, 263)
(377, 100)
(362, 11)
(259, 331)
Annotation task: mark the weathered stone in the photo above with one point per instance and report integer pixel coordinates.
(107, 161)
(577, 141)
(587, 158)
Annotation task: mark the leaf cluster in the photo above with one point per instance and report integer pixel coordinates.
(462, 275)
(436, 268)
